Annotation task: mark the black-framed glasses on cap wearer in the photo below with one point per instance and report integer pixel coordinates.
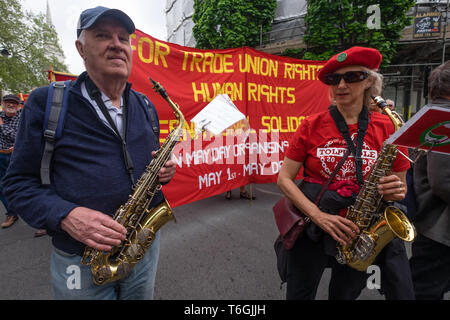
(349, 77)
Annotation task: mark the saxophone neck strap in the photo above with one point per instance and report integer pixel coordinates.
(363, 123)
(96, 95)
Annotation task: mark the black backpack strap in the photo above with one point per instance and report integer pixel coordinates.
(53, 123)
(151, 111)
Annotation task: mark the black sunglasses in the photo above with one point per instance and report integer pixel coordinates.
(349, 77)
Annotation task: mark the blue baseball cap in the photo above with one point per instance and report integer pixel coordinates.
(89, 16)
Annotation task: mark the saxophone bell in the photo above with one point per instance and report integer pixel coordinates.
(399, 224)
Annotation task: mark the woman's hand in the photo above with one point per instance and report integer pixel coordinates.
(341, 229)
(393, 187)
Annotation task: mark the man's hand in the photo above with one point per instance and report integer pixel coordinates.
(167, 172)
(93, 228)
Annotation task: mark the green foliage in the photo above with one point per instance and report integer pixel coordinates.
(33, 48)
(221, 24)
(296, 53)
(334, 26)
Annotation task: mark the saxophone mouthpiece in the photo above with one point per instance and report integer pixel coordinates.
(379, 101)
(159, 88)
(153, 81)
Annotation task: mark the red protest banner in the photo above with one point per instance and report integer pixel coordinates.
(59, 76)
(23, 97)
(275, 93)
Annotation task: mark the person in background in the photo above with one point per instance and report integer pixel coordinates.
(243, 194)
(9, 123)
(390, 104)
(105, 147)
(352, 78)
(374, 108)
(430, 260)
(9, 119)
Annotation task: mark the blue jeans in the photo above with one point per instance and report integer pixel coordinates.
(4, 162)
(73, 280)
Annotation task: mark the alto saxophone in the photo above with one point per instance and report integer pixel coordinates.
(141, 222)
(377, 228)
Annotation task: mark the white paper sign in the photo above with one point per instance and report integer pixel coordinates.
(220, 114)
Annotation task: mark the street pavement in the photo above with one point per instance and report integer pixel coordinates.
(218, 249)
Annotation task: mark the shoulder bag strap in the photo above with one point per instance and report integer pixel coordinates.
(333, 174)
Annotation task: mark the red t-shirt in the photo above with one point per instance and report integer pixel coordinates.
(319, 145)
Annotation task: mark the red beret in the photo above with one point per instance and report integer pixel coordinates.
(361, 56)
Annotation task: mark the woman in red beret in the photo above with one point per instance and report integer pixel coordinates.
(318, 146)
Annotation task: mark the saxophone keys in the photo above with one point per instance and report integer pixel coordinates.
(87, 256)
(102, 275)
(146, 237)
(134, 252)
(123, 269)
(340, 257)
(364, 246)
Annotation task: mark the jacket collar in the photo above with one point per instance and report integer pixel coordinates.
(82, 77)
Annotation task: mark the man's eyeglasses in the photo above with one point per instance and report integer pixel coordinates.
(349, 77)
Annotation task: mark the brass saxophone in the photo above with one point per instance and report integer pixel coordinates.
(141, 222)
(377, 228)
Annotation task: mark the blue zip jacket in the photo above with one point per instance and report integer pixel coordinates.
(88, 167)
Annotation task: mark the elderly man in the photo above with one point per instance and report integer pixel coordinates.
(9, 123)
(390, 104)
(106, 144)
